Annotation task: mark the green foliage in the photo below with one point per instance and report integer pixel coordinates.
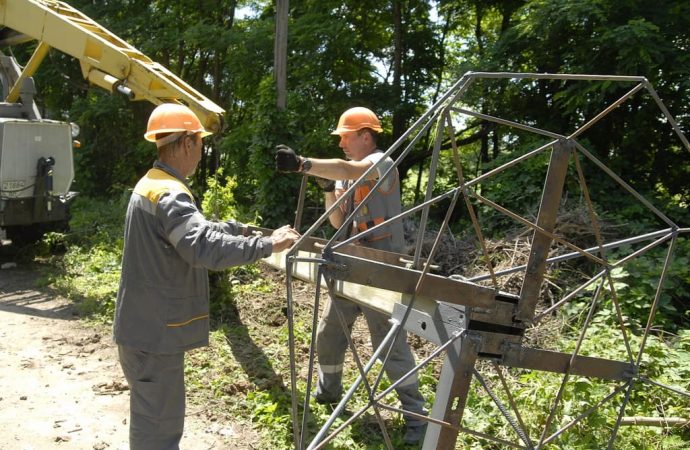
(219, 202)
(89, 271)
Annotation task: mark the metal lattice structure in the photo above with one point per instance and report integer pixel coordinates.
(473, 320)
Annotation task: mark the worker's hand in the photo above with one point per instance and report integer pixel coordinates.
(286, 159)
(283, 238)
(324, 184)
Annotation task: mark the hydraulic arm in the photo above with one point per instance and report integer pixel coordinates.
(105, 59)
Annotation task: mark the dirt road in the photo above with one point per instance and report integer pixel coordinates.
(60, 385)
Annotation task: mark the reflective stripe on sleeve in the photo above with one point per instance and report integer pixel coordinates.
(179, 231)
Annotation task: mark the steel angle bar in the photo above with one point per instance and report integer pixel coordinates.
(497, 401)
(521, 357)
(585, 414)
(607, 110)
(667, 114)
(625, 185)
(399, 279)
(509, 123)
(452, 391)
(546, 220)
(568, 369)
(665, 233)
(665, 386)
(556, 76)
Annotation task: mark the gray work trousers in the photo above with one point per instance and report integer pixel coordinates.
(156, 398)
(331, 345)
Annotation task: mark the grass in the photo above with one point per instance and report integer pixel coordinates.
(244, 375)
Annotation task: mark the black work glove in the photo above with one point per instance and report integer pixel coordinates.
(326, 185)
(286, 159)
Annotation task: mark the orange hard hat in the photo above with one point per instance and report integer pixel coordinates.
(173, 118)
(357, 118)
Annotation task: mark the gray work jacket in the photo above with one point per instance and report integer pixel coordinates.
(163, 299)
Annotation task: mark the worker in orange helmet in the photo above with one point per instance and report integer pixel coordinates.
(358, 130)
(162, 307)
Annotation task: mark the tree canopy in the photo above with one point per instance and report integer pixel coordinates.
(395, 57)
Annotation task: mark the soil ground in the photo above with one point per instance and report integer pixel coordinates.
(61, 386)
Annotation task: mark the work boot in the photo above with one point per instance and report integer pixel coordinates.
(414, 433)
(325, 399)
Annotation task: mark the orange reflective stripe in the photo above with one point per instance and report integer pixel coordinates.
(361, 193)
(363, 226)
(181, 324)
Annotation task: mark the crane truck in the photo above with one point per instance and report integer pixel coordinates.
(36, 154)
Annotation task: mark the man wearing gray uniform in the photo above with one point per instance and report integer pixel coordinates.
(358, 128)
(163, 301)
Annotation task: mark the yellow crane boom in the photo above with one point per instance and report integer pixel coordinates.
(106, 60)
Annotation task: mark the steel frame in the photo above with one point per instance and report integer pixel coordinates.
(470, 322)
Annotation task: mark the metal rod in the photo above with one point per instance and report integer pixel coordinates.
(509, 123)
(666, 113)
(587, 412)
(300, 203)
(468, 205)
(568, 256)
(429, 191)
(511, 163)
(312, 351)
(488, 437)
(291, 343)
(513, 405)
(603, 113)
(625, 186)
(416, 368)
(565, 299)
(420, 280)
(657, 297)
(350, 392)
(400, 216)
(626, 399)
(566, 375)
(537, 228)
(664, 386)
(555, 76)
(519, 431)
(363, 371)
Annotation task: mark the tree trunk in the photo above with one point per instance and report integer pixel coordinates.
(398, 115)
(280, 53)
